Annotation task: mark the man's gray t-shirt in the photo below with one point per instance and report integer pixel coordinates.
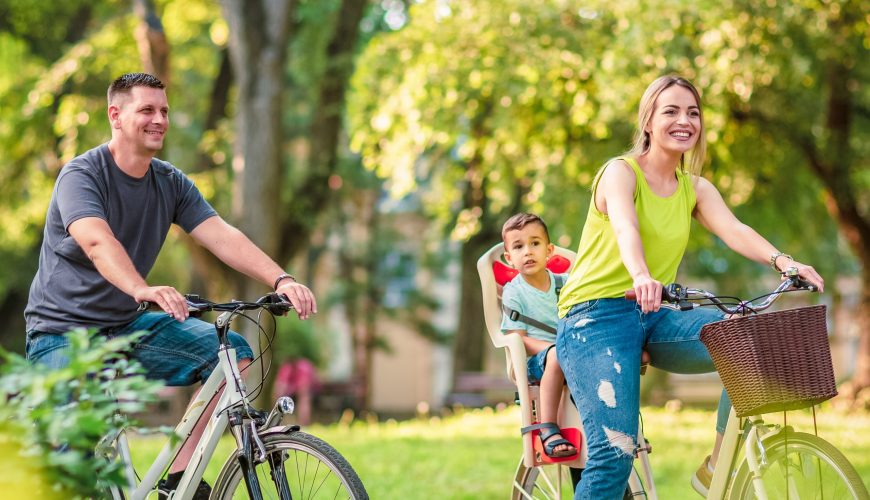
(67, 290)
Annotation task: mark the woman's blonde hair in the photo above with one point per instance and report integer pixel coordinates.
(644, 115)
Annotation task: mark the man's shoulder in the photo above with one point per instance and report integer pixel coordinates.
(92, 160)
(164, 168)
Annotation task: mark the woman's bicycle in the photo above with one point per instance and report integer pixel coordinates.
(270, 460)
(770, 363)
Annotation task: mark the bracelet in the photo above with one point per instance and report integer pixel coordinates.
(281, 278)
(775, 256)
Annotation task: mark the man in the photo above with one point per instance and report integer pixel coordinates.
(109, 214)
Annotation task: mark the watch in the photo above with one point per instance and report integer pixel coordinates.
(775, 256)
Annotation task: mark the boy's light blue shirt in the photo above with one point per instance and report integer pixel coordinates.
(529, 301)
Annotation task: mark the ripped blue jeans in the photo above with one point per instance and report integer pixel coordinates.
(599, 345)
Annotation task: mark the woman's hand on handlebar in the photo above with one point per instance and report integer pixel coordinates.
(300, 296)
(166, 297)
(648, 293)
(809, 274)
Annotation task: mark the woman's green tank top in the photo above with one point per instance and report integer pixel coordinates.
(664, 224)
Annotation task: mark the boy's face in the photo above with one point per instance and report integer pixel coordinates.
(528, 249)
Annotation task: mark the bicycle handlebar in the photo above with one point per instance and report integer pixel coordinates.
(272, 302)
(681, 298)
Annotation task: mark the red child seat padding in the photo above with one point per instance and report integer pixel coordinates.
(572, 434)
(504, 273)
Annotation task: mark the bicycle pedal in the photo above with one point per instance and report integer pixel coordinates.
(647, 447)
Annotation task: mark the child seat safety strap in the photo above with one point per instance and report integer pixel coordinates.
(515, 315)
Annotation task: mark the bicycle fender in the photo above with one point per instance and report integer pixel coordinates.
(279, 429)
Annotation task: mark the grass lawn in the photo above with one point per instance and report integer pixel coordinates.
(473, 454)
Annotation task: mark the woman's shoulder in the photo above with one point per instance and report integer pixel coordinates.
(621, 162)
(618, 171)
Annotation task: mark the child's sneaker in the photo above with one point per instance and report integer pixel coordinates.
(702, 478)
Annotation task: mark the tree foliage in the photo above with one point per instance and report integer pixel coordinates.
(524, 102)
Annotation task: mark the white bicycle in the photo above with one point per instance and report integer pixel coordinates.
(270, 460)
(769, 363)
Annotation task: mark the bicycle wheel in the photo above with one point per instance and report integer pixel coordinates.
(801, 466)
(547, 483)
(298, 466)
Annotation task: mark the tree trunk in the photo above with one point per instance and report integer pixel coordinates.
(259, 34)
(313, 195)
(258, 40)
(151, 39)
(832, 163)
(359, 223)
(861, 378)
(470, 342)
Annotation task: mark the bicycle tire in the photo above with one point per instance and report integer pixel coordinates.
(545, 483)
(313, 469)
(816, 470)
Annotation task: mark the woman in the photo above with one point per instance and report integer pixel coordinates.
(634, 238)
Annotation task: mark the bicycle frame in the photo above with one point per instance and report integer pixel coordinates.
(226, 371)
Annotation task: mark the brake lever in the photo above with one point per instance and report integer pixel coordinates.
(275, 304)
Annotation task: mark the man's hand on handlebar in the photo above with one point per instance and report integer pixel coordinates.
(166, 297)
(648, 293)
(300, 296)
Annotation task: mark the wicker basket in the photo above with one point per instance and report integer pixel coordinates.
(773, 362)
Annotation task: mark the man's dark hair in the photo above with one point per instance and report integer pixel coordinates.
(521, 220)
(124, 83)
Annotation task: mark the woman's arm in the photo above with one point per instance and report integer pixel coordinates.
(712, 212)
(614, 196)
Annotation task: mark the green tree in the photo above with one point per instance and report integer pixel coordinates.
(491, 106)
(792, 76)
(474, 103)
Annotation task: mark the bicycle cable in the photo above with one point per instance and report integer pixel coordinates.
(264, 369)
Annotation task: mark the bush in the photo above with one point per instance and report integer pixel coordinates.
(53, 420)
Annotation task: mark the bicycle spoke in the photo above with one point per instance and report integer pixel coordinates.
(314, 471)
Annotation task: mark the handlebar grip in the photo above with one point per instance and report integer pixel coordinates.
(804, 284)
(670, 293)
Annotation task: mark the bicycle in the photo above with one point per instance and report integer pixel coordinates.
(266, 454)
(776, 461)
(767, 448)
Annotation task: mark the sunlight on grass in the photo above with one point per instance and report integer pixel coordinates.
(473, 454)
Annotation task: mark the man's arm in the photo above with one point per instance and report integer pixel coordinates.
(97, 240)
(233, 248)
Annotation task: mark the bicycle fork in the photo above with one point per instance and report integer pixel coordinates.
(253, 451)
(756, 458)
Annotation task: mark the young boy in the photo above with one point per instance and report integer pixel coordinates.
(533, 294)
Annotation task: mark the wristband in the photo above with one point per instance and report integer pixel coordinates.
(775, 256)
(281, 278)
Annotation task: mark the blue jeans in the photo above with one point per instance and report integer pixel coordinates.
(536, 364)
(599, 345)
(177, 353)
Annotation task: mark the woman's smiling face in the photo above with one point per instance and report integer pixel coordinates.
(676, 120)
